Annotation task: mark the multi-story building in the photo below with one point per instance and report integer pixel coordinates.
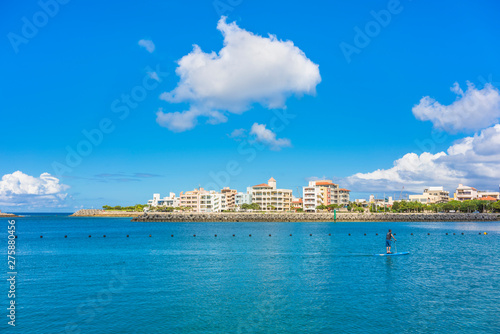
(170, 201)
(269, 198)
(463, 193)
(311, 198)
(211, 201)
(492, 194)
(242, 198)
(191, 199)
(431, 195)
(201, 200)
(230, 197)
(324, 192)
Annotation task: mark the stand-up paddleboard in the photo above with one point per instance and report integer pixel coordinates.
(392, 254)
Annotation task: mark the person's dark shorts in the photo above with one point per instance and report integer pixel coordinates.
(388, 243)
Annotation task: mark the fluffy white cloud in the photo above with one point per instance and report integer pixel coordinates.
(147, 44)
(473, 109)
(472, 160)
(267, 137)
(248, 69)
(18, 189)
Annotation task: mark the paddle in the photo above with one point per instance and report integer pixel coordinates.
(395, 247)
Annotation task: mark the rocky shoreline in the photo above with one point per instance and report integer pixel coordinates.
(312, 217)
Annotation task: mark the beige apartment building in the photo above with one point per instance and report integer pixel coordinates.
(431, 195)
(230, 197)
(269, 198)
(201, 200)
(324, 192)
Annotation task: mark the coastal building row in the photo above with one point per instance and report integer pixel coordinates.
(267, 195)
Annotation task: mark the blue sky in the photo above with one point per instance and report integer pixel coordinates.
(357, 115)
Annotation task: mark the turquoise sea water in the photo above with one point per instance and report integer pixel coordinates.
(258, 284)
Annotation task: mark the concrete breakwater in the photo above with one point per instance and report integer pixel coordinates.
(7, 215)
(104, 213)
(312, 217)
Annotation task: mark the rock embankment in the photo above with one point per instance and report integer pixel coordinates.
(312, 217)
(7, 215)
(104, 213)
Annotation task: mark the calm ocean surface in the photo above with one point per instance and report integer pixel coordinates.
(258, 284)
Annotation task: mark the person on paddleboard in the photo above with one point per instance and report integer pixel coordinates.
(388, 241)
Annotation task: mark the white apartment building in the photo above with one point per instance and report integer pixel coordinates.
(170, 201)
(463, 193)
(211, 201)
(269, 198)
(431, 195)
(242, 198)
(312, 197)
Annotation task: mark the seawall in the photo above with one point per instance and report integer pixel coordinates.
(311, 217)
(104, 213)
(7, 215)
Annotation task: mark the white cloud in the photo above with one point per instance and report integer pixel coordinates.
(186, 120)
(238, 134)
(267, 137)
(472, 160)
(249, 69)
(147, 44)
(473, 109)
(19, 189)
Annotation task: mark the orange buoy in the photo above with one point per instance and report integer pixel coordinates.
(428, 234)
(453, 233)
(349, 234)
(172, 235)
(65, 236)
(269, 235)
(215, 234)
(462, 233)
(127, 235)
(41, 236)
(233, 235)
(150, 235)
(365, 233)
(194, 235)
(90, 236)
(329, 234)
(104, 236)
(290, 234)
(376, 233)
(249, 235)
(411, 233)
